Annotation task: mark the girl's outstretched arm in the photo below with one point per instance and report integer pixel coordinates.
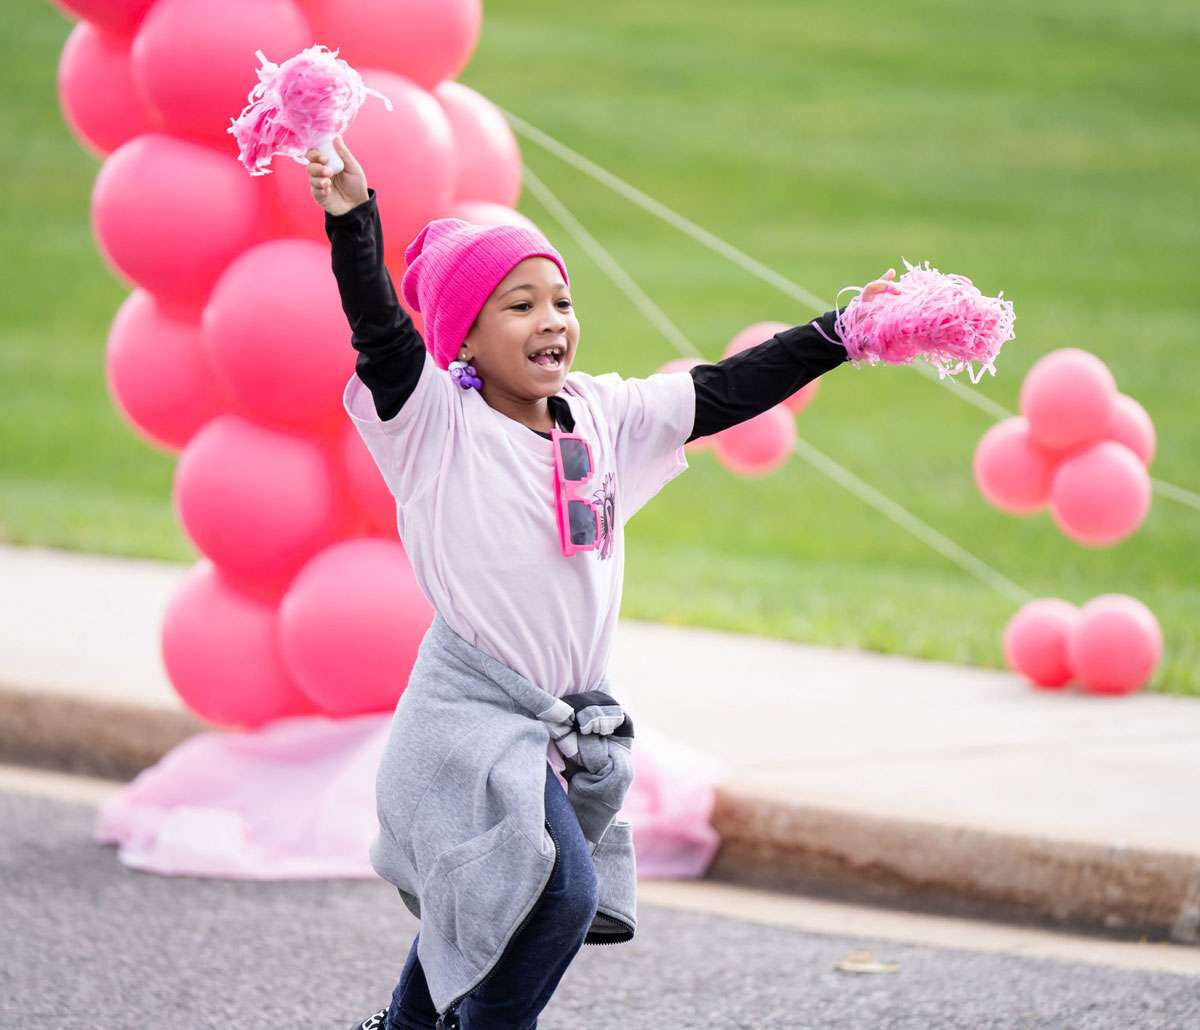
(751, 381)
(391, 352)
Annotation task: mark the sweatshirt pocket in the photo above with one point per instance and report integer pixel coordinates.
(477, 892)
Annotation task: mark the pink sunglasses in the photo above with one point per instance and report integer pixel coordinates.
(578, 520)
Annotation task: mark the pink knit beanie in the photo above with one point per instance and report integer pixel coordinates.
(453, 267)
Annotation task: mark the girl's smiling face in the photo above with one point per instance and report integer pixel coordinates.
(529, 311)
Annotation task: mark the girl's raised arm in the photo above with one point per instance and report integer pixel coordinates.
(391, 352)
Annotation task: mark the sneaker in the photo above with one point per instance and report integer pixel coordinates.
(375, 1022)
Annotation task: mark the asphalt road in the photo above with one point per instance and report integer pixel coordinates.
(88, 943)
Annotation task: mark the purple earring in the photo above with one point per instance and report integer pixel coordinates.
(464, 375)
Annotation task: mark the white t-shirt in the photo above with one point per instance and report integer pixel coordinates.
(474, 496)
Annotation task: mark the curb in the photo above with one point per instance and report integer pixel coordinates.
(87, 737)
(1121, 892)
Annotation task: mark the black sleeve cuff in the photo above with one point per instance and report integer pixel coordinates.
(806, 336)
(358, 221)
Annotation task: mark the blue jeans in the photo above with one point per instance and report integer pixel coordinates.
(524, 979)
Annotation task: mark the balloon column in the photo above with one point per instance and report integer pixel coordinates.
(1111, 645)
(232, 350)
(1078, 446)
(1083, 449)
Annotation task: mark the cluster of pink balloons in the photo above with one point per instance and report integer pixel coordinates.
(1084, 449)
(1112, 645)
(232, 349)
(763, 443)
(1078, 445)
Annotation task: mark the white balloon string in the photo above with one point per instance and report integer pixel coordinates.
(1176, 493)
(685, 226)
(689, 228)
(889, 508)
(641, 300)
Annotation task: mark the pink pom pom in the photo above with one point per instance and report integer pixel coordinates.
(297, 106)
(941, 318)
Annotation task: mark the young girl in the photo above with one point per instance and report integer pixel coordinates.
(513, 479)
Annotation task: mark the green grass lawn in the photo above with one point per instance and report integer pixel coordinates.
(1049, 152)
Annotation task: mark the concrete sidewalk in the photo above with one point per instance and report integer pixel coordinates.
(852, 775)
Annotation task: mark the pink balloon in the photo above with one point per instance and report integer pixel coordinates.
(803, 397)
(1101, 495)
(1116, 644)
(1131, 425)
(481, 212)
(1067, 398)
(408, 157)
(759, 445)
(1011, 470)
(298, 214)
(170, 215)
(120, 17)
(680, 364)
(424, 40)
(366, 487)
(752, 336)
(487, 157)
(258, 502)
(285, 209)
(95, 89)
(758, 333)
(1035, 641)
(352, 649)
(275, 331)
(158, 375)
(221, 654)
(194, 60)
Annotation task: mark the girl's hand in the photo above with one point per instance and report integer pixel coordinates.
(339, 193)
(881, 285)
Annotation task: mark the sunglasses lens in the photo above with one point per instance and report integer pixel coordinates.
(576, 466)
(583, 523)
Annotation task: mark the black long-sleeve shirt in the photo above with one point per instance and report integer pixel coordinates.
(391, 353)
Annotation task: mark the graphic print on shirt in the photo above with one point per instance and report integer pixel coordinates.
(605, 501)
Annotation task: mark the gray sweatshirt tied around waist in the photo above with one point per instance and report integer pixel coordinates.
(460, 799)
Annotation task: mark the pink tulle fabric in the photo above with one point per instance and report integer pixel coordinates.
(298, 105)
(941, 318)
(295, 799)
